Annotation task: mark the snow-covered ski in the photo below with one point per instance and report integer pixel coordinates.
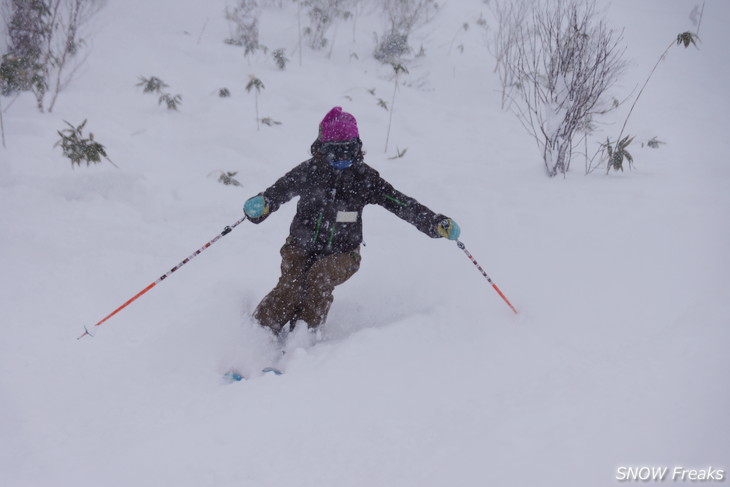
(235, 376)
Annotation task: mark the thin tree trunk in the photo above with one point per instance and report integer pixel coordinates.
(258, 127)
(555, 155)
(2, 125)
(390, 116)
(299, 27)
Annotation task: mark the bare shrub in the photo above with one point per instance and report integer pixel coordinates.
(556, 61)
(46, 42)
(402, 17)
(244, 18)
(25, 22)
(323, 15)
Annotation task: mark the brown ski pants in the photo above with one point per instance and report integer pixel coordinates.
(304, 290)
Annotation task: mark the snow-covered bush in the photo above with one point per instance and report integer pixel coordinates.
(45, 40)
(228, 178)
(170, 101)
(402, 16)
(617, 152)
(154, 85)
(322, 16)
(270, 122)
(3, 35)
(391, 48)
(78, 148)
(280, 58)
(557, 61)
(244, 17)
(25, 22)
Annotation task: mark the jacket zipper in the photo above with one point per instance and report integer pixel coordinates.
(333, 196)
(319, 223)
(332, 235)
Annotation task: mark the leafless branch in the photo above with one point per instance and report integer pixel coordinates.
(556, 61)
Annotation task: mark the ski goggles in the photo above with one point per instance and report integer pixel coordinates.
(340, 155)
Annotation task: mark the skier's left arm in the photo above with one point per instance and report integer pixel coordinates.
(434, 225)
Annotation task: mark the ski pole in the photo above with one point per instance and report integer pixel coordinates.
(463, 247)
(225, 231)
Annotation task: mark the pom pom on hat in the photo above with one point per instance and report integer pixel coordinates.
(338, 126)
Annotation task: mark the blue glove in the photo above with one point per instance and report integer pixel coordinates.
(256, 207)
(448, 228)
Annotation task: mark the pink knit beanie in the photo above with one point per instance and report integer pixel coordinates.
(338, 126)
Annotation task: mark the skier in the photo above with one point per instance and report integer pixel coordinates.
(323, 247)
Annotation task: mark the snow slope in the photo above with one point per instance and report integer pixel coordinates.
(425, 377)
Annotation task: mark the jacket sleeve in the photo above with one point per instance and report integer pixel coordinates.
(405, 207)
(284, 189)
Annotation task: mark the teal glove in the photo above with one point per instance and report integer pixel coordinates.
(256, 207)
(448, 228)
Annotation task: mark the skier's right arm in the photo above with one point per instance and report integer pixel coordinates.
(259, 207)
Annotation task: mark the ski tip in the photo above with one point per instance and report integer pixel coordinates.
(271, 370)
(233, 376)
